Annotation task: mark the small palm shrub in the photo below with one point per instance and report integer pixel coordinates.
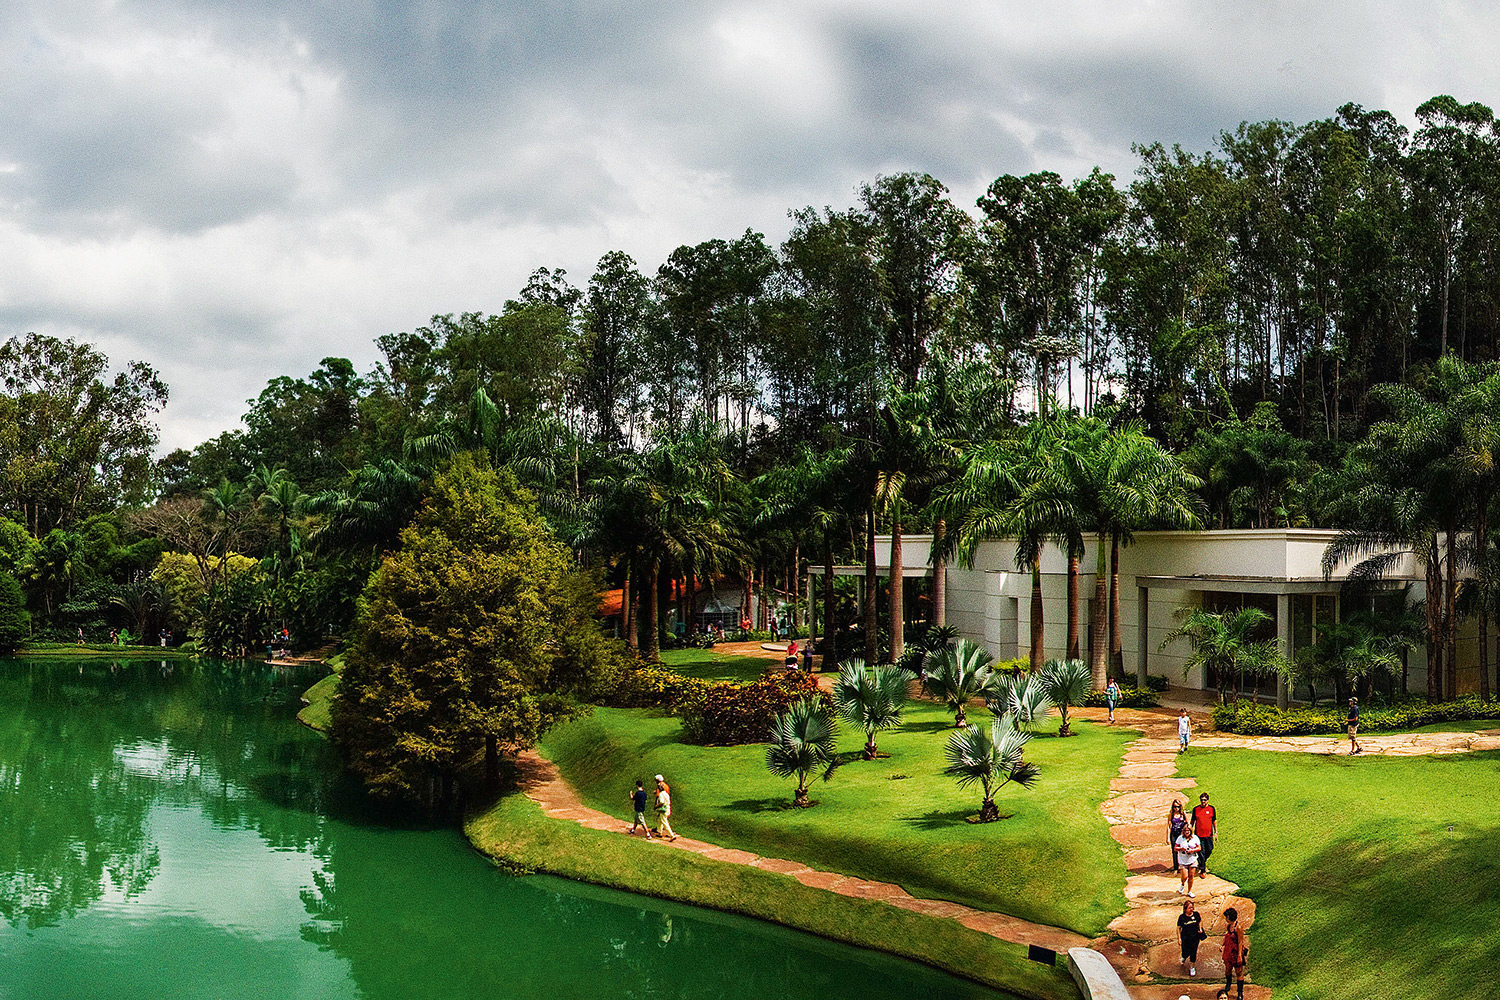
(959, 673)
(1067, 683)
(801, 743)
(1023, 699)
(872, 700)
(991, 759)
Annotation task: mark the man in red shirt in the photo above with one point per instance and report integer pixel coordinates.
(1206, 826)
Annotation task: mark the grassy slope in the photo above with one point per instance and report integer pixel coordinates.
(1052, 861)
(1362, 890)
(318, 712)
(58, 650)
(710, 666)
(515, 831)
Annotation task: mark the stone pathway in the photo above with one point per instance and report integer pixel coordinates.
(1143, 943)
(1375, 745)
(539, 781)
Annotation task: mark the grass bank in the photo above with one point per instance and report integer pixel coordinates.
(896, 819)
(62, 650)
(1373, 877)
(317, 713)
(515, 831)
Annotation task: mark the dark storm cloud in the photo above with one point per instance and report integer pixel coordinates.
(237, 189)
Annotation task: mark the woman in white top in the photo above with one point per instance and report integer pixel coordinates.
(1188, 848)
(664, 809)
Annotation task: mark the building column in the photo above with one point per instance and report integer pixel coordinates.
(1142, 637)
(1284, 644)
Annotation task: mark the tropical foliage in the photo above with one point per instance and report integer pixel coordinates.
(991, 758)
(870, 699)
(801, 742)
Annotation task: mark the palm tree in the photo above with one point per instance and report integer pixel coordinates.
(368, 513)
(1023, 698)
(993, 759)
(958, 674)
(802, 740)
(1222, 641)
(870, 699)
(1067, 683)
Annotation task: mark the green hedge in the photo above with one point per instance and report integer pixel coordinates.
(1130, 697)
(1248, 718)
(649, 685)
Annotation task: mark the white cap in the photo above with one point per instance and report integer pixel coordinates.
(660, 778)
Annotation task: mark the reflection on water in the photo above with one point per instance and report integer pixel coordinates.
(168, 829)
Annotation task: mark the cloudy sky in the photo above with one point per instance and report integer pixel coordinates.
(232, 191)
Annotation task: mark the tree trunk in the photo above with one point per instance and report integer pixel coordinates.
(988, 811)
(800, 798)
(871, 752)
(1434, 614)
(794, 588)
(1116, 658)
(1450, 610)
(1098, 623)
(690, 585)
(491, 762)
(872, 616)
(663, 603)
(627, 611)
(1037, 652)
(650, 637)
(1073, 652)
(898, 596)
(1482, 554)
(749, 596)
(939, 577)
(829, 647)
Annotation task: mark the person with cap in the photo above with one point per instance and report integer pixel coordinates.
(664, 809)
(1354, 746)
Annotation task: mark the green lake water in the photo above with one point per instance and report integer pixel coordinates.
(167, 829)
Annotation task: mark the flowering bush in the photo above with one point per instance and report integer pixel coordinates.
(649, 685)
(726, 713)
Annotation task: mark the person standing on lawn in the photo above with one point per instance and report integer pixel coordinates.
(1184, 727)
(1176, 820)
(1236, 953)
(1188, 850)
(1190, 932)
(1354, 746)
(1112, 698)
(638, 800)
(664, 809)
(1205, 823)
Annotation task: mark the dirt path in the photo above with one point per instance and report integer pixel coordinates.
(540, 782)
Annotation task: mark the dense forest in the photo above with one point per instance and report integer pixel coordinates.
(1297, 327)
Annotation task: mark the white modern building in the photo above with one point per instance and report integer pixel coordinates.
(1277, 570)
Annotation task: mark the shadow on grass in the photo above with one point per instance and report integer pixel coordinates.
(1329, 926)
(940, 819)
(761, 805)
(936, 726)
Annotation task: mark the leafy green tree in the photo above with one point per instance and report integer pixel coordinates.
(872, 700)
(470, 637)
(1224, 643)
(614, 318)
(1023, 698)
(1067, 684)
(958, 674)
(992, 759)
(15, 622)
(801, 742)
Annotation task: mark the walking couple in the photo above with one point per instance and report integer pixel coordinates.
(1192, 840)
(638, 799)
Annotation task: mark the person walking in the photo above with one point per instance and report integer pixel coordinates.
(1190, 932)
(1188, 849)
(1236, 953)
(1205, 823)
(664, 809)
(1184, 729)
(791, 655)
(638, 800)
(1176, 820)
(1112, 698)
(1354, 746)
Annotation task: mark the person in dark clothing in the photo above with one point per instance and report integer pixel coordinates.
(1354, 746)
(638, 799)
(1176, 820)
(1190, 933)
(1236, 953)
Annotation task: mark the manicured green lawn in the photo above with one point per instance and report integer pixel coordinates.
(1373, 877)
(710, 666)
(896, 819)
(514, 831)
